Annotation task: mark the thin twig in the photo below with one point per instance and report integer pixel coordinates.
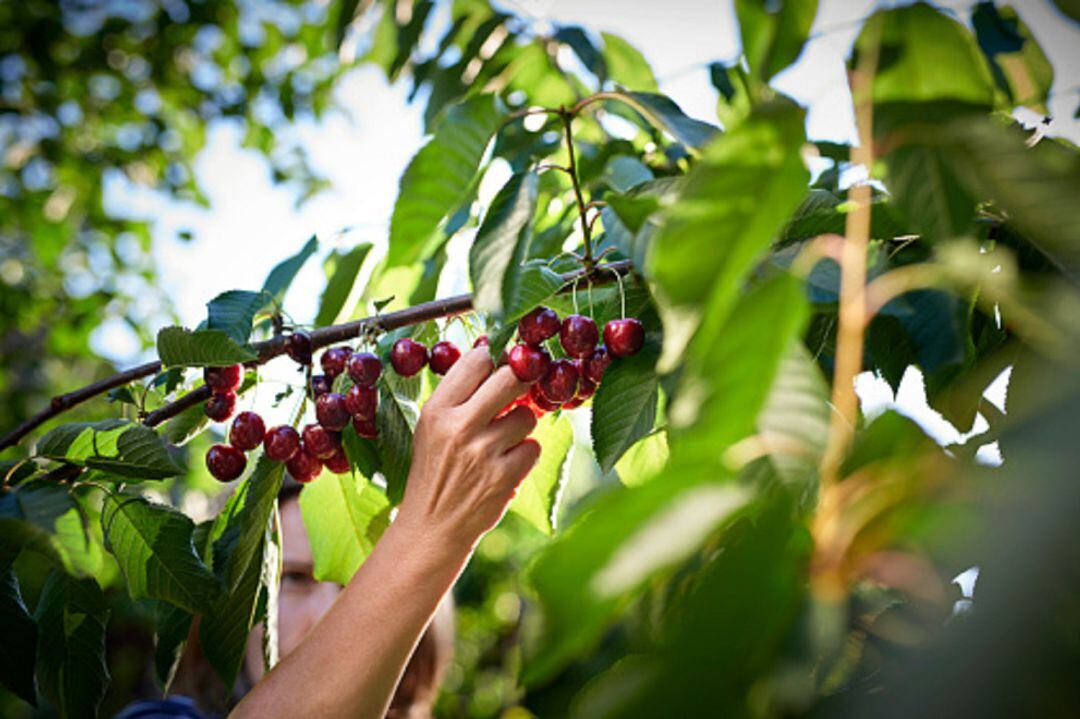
(568, 118)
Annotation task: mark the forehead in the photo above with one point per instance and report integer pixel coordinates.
(295, 546)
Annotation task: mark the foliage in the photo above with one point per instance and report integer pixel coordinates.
(685, 548)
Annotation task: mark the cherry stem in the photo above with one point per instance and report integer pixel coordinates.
(568, 118)
(266, 351)
(622, 297)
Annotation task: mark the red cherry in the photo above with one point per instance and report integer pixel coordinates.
(364, 368)
(281, 443)
(596, 363)
(320, 385)
(539, 403)
(624, 337)
(481, 340)
(362, 401)
(333, 361)
(338, 462)
(225, 462)
(365, 428)
(408, 357)
(578, 336)
(220, 406)
(331, 411)
(320, 442)
(586, 389)
(529, 363)
(537, 326)
(298, 346)
(560, 382)
(304, 466)
(247, 431)
(443, 356)
(223, 379)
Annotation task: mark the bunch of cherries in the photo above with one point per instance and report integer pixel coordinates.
(567, 383)
(318, 444)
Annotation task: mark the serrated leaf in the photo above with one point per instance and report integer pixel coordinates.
(153, 545)
(624, 407)
(180, 347)
(18, 650)
(537, 497)
(119, 447)
(181, 428)
(281, 277)
(773, 34)
(71, 616)
(662, 112)
(344, 516)
(223, 633)
(340, 285)
(243, 535)
(501, 242)
(232, 312)
(396, 419)
(171, 628)
(439, 176)
(626, 65)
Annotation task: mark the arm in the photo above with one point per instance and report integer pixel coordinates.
(466, 467)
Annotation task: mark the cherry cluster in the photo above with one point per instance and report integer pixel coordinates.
(567, 383)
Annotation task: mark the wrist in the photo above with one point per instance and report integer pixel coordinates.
(436, 538)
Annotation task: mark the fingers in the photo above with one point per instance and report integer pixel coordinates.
(464, 377)
(495, 393)
(521, 459)
(509, 430)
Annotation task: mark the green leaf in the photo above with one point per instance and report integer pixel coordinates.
(644, 460)
(1020, 67)
(153, 545)
(180, 347)
(773, 33)
(244, 532)
(632, 219)
(626, 539)
(346, 267)
(623, 173)
(232, 313)
(578, 40)
(118, 447)
(662, 112)
(171, 628)
(363, 453)
(503, 286)
(281, 277)
(17, 651)
(624, 407)
(538, 495)
(181, 428)
(927, 189)
(30, 516)
(439, 177)
(534, 73)
(344, 516)
(626, 65)
(396, 419)
(223, 633)
(71, 616)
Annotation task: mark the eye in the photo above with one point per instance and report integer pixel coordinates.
(296, 578)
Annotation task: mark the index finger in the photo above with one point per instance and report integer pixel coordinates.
(464, 377)
(493, 395)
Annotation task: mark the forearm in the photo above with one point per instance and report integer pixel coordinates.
(351, 662)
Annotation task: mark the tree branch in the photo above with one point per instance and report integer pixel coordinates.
(269, 349)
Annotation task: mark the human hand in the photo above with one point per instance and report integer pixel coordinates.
(466, 464)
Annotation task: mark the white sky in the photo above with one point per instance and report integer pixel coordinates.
(252, 224)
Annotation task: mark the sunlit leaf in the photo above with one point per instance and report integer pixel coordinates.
(537, 497)
(340, 285)
(119, 447)
(232, 312)
(344, 516)
(180, 347)
(626, 65)
(773, 33)
(281, 277)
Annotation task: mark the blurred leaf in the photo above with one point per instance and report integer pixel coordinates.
(185, 425)
(773, 34)
(232, 313)
(624, 408)
(20, 640)
(578, 40)
(439, 176)
(29, 518)
(732, 83)
(631, 220)
(281, 277)
(118, 447)
(344, 516)
(534, 73)
(662, 112)
(396, 419)
(120, 394)
(180, 347)
(644, 460)
(153, 545)
(628, 537)
(171, 628)
(1019, 65)
(926, 188)
(538, 495)
(71, 616)
(626, 65)
(623, 172)
(340, 285)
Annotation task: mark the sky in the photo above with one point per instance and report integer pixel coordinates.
(253, 224)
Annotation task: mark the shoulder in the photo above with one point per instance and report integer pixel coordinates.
(171, 708)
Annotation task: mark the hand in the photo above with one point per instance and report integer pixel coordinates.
(466, 464)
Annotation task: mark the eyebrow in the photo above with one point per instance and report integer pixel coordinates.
(298, 566)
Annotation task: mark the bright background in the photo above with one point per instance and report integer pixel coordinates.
(253, 224)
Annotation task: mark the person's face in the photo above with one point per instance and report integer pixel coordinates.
(302, 601)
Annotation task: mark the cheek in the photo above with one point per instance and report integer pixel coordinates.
(300, 610)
